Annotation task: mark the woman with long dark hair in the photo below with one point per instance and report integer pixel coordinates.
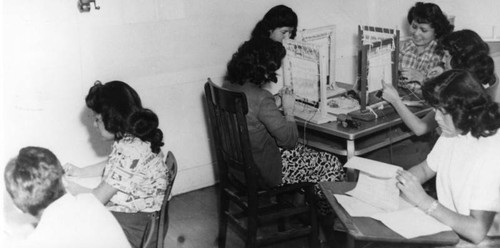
(134, 177)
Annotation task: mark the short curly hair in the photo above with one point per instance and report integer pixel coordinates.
(278, 16)
(459, 94)
(431, 14)
(34, 179)
(469, 52)
(256, 61)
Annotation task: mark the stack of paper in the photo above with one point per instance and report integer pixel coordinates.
(377, 196)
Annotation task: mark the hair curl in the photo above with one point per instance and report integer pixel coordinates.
(33, 179)
(122, 112)
(256, 61)
(469, 52)
(431, 14)
(459, 94)
(278, 16)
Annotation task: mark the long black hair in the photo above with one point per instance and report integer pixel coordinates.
(278, 16)
(122, 112)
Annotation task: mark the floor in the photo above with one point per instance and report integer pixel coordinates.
(193, 216)
(193, 223)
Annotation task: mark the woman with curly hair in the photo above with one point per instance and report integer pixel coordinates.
(462, 49)
(464, 159)
(419, 54)
(134, 177)
(273, 134)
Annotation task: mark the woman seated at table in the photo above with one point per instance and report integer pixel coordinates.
(279, 23)
(272, 133)
(419, 54)
(134, 177)
(463, 49)
(464, 159)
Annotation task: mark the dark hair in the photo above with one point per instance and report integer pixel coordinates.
(431, 14)
(122, 112)
(469, 52)
(33, 179)
(256, 61)
(459, 94)
(278, 16)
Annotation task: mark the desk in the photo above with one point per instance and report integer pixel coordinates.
(371, 135)
(368, 232)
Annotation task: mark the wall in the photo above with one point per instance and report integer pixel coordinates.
(165, 49)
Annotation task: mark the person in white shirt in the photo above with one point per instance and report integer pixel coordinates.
(34, 180)
(464, 159)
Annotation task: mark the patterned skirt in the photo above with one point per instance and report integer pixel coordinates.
(304, 164)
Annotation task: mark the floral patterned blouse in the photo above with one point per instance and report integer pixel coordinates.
(139, 175)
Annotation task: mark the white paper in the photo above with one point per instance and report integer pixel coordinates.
(356, 207)
(376, 183)
(411, 222)
(377, 196)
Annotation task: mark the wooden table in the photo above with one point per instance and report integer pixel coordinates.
(368, 232)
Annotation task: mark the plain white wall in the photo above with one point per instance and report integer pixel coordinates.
(165, 49)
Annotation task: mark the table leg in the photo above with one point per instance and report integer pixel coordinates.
(352, 176)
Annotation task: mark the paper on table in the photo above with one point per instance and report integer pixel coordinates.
(358, 208)
(404, 222)
(376, 183)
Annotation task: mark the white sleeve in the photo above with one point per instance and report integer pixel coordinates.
(436, 155)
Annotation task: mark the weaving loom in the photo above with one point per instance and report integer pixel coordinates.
(377, 61)
(308, 67)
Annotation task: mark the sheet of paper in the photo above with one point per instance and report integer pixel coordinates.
(372, 167)
(403, 222)
(359, 208)
(356, 207)
(376, 183)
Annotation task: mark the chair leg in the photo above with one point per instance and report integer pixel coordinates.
(251, 239)
(224, 206)
(314, 236)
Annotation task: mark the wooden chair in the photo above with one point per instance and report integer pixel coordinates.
(242, 202)
(157, 229)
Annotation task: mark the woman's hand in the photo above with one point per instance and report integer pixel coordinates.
(72, 170)
(434, 72)
(288, 100)
(412, 189)
(412, 75)
(389, 93)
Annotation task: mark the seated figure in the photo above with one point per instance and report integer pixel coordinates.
(34, 180)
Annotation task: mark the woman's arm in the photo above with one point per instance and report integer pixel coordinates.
(103, 192)
(473, 227)
(282, 129)
(417, 125)
(88, 171)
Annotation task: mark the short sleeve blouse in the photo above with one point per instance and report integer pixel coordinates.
(139, 174)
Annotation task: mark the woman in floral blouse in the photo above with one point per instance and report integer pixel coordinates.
(134, 177)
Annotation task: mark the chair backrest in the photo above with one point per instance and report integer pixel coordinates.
(159, 222)
(227, 112)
